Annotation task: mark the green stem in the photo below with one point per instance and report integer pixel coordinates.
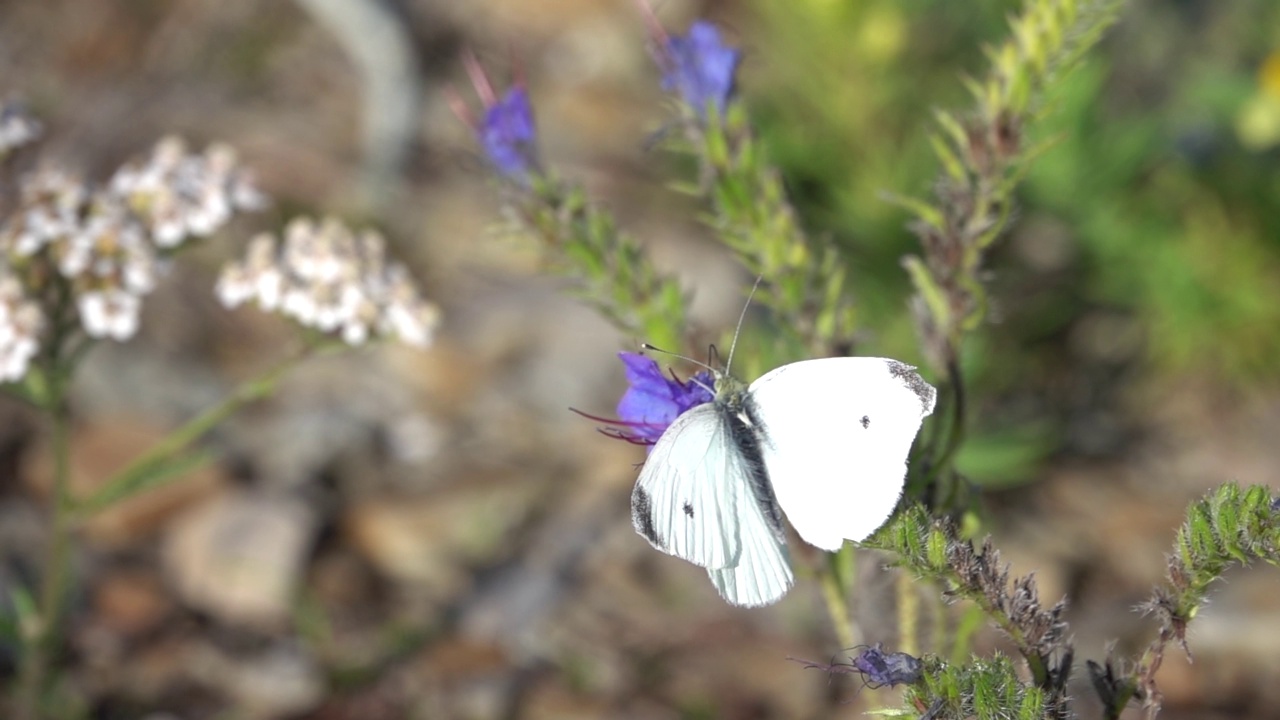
(166, 461)
(908, 614)
(835, 597)
(47, 633)
(940, 466)
(56, 366)
(958, 426)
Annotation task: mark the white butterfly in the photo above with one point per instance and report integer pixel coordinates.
(823, 441)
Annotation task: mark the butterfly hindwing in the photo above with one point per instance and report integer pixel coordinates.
(763, 572)
(838, 462)
(685, 501)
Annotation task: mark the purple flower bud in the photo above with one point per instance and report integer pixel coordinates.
(699, 67)
(879, 668)
(507, 135)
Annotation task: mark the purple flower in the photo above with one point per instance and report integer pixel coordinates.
(653, 400)
(880, 668)
(699, 67)
(507, 134)
(877, 667)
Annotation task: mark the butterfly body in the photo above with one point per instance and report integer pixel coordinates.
(821, 442)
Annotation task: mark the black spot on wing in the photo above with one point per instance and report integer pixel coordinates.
(916, 384)
(688, 509)
(866, 421)
(642, 517)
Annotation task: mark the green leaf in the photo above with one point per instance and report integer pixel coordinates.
(1255, 511)
(929, 291)
(948, 122)
(1008, 458)
(937, 550)
(1032, 706)
(1203, 542)
(26, 616)
(923, 211)
(1225, 507)
(1186, 555)
(716, 146)
(145, 478)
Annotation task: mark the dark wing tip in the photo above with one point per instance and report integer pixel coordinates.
(916, 384)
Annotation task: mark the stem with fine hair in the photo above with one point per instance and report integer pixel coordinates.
(44, 640)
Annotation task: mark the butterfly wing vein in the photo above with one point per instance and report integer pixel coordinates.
(685, 502)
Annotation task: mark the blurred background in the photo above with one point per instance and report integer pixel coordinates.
(404, 534)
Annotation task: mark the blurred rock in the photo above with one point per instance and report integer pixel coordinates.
(342, 578)
(431, 540)
(330, 411)
(278, 682)
(100, 449)
(466, 680)
(239, 557)
(553, 697)
(168, 379)
(131, 602)
(454, 659)
(743, 676)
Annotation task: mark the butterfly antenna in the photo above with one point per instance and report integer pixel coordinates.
(699, 363)
(738, 330)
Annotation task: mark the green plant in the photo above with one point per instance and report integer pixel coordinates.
(986, 154)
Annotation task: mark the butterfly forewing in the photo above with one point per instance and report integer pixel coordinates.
(685, 500)
(838, 462)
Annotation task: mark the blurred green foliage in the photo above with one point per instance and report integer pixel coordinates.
(1156, 206)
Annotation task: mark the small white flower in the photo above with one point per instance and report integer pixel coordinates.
(355, 333)
(109, 313)
(17, 127)
(20, 325)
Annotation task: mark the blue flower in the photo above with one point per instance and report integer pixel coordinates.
(699, 67)
(507, 135)
(653, 400)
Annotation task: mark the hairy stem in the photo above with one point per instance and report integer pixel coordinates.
(44, 642)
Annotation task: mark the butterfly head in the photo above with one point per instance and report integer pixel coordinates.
(729, 390)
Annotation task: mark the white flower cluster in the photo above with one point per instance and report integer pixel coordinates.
(103, 249)
(328, 278)
(182, 194)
